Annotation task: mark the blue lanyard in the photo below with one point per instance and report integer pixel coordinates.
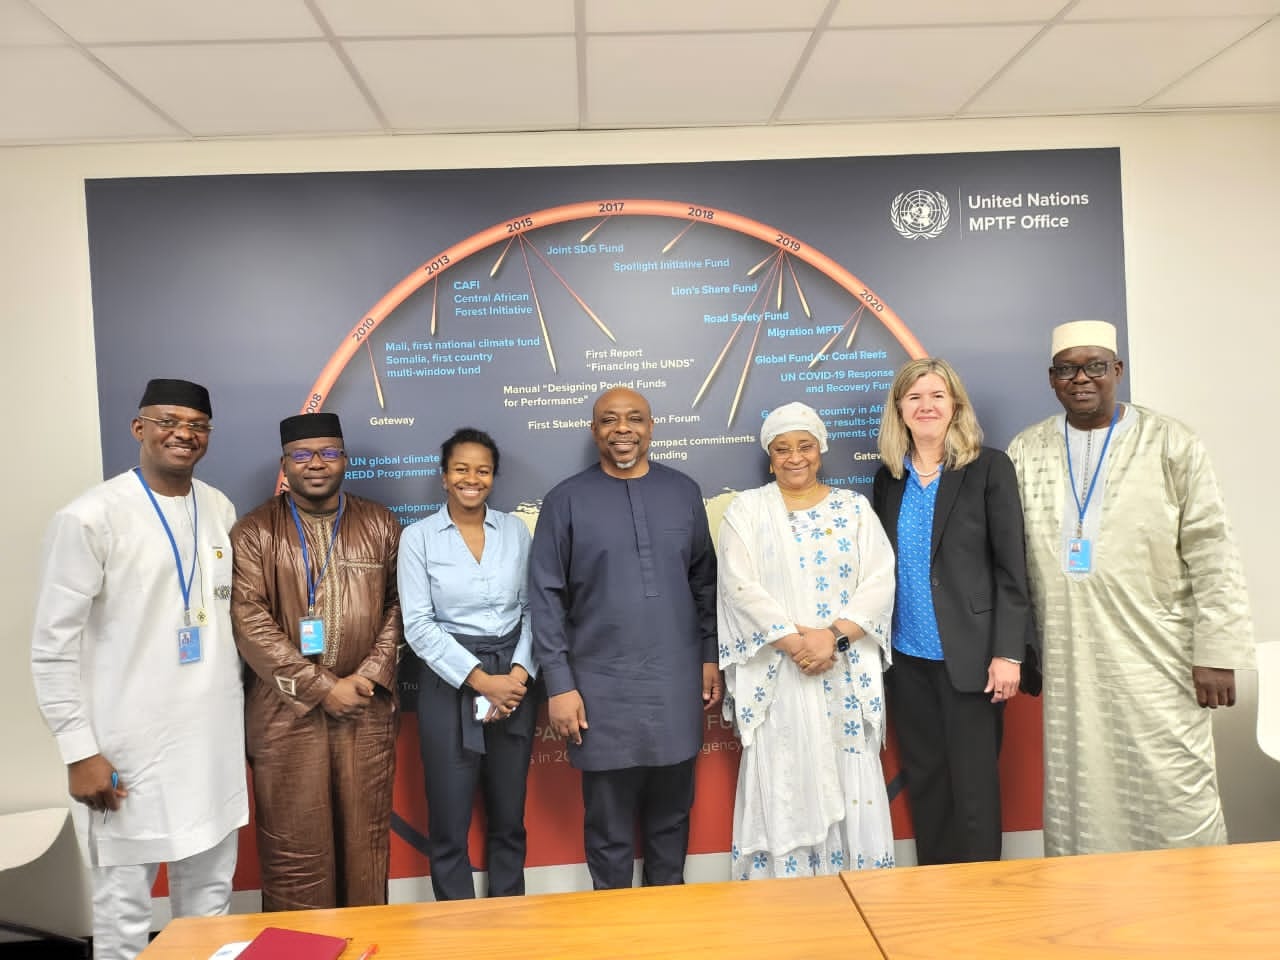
(183, 582)
(1082, 509)
(313, 582)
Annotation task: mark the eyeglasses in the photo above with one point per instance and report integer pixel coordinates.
(328, 455)
(169, 423)
(1069, 371)
(782, 452)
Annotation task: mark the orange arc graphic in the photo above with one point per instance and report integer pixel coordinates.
(588, 209)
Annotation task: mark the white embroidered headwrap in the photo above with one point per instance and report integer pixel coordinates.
(793, 416)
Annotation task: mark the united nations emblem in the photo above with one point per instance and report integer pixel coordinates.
(920, 214)
(222, 592)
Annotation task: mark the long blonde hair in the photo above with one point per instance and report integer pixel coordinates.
(963, 441)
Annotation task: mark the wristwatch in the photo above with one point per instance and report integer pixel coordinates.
(842, 642)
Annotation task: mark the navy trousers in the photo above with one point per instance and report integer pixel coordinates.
(452, 776)
(659, 798)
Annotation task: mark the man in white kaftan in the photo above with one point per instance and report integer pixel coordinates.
(146, 712)
(1140, 596)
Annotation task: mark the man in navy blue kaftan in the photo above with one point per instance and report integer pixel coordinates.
(622, 581)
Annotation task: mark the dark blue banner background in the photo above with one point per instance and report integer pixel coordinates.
(250, 283)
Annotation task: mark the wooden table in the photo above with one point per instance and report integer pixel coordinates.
(1203, 902)
(778, 919)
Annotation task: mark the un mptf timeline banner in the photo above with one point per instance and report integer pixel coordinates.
(416, 302)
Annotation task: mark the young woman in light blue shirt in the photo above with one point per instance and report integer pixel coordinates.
(462, 574)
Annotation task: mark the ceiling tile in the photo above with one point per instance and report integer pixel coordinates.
(491, 83)
(20, 26)
(387, 18)
(176, 21)
(698, 78)
(1161, 9)
(865, 13)
(877, 73)
(674, 16)
(65, 97)
(261, 67)
(1249, 72)
(246, 89)
(1086, 66)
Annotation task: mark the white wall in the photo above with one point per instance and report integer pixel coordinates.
(1201, 216)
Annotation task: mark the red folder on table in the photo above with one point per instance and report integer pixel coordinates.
(276, 943)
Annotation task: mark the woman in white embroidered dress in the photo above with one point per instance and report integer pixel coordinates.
(805, 605)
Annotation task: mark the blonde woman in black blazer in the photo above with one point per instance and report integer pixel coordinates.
(961, 620)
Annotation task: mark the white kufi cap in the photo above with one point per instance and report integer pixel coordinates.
(1083, 333)
(793, 416)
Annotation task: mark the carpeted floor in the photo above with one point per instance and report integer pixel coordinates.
(43, 950)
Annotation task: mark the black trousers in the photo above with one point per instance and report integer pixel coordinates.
(452, 775)
(950, 744)
(660, 798)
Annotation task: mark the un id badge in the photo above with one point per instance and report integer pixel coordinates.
(1079, 555)
(311, 631)
(189, 645)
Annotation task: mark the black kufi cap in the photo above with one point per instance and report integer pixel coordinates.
(307, 426)
(179, 393)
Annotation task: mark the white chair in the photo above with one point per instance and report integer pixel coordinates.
(1269, 698)
(38, 850)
